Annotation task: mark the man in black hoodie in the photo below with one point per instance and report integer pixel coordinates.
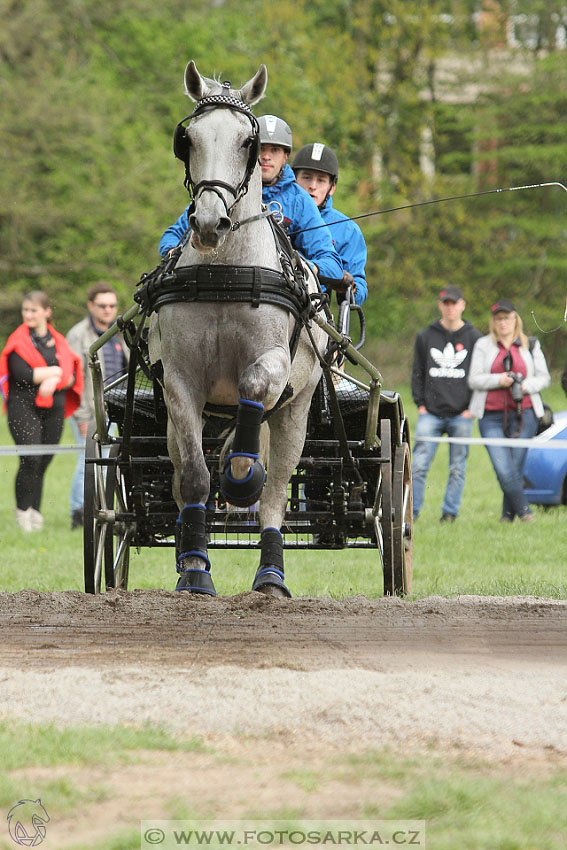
(441, 361)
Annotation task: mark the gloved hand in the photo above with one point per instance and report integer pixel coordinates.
(348, 279)
(338, 284)
(342, 285)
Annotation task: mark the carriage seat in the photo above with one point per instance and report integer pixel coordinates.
(147, 419)
(353, 404)
(116, 402)
(150, 418)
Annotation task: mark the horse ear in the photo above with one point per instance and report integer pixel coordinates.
(253, 91)
(194, 83)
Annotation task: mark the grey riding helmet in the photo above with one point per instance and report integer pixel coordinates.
(317, 157)
(275, 131)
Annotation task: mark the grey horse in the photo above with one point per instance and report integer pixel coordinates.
(232, 354)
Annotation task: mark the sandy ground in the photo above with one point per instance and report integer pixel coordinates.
(486, 674)
(283, 696)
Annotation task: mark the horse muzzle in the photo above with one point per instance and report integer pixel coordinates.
(208, 234)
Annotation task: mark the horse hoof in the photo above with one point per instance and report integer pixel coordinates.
(274, 591)
(196, 581)
(246, 491)
(270, 580)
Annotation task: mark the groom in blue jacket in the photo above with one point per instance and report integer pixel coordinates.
(316, 169)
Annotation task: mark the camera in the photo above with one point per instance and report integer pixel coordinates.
(516, 388)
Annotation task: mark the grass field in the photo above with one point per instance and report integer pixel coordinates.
(466, 804)
(475, 555)
(83, 774)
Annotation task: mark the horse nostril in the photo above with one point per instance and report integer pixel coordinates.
(194, 224)
(224, 225)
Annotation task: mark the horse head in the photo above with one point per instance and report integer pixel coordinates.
(222, 149)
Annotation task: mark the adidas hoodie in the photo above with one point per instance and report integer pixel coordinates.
(441, 362)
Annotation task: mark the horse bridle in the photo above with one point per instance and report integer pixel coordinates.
(181, 148)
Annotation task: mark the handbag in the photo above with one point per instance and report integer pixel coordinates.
(546, 419)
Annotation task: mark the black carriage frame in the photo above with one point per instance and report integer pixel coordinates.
(351, 488)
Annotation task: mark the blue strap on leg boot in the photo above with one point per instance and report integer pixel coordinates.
(246, 443)
(191, 541)
(271, 569)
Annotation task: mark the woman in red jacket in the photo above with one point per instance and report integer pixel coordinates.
(41, 379)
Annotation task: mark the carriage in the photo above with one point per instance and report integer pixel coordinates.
(338, 463)
(351, 488)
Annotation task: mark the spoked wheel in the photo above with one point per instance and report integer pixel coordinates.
(97, 533)
(117, 549)
(402, 540)
(383, 507)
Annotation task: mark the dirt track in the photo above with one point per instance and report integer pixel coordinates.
(476, 674)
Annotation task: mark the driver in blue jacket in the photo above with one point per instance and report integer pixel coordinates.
(298, 208)
(316, 169)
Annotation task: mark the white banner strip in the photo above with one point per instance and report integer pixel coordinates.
(39, 450)
(512, 442)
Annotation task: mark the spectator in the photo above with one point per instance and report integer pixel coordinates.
(502, 364)
(42, 381)
(299, 210)
(441, 361)
(316, 169)
(102, 306)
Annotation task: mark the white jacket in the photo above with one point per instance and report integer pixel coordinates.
(80, 338)
(481, 379)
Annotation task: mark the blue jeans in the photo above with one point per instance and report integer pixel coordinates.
(508, 462)
(78, 483)
(429, 425)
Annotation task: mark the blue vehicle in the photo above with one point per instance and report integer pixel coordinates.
(545, 472)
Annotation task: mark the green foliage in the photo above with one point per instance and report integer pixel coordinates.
(92, 92)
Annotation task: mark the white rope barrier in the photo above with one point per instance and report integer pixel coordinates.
(39, 450)
(511, 442)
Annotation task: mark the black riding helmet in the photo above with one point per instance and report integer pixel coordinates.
(317, 157)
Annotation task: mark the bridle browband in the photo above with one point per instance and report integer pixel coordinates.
(181, 148)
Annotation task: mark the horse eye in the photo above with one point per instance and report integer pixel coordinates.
(247, 142)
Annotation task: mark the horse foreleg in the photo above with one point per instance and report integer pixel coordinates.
(191, 484)
(269, 576)
(287, 437)
(191, 542)
(243, 475)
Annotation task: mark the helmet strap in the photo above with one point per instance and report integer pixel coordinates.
(328, 195)
(276, 179)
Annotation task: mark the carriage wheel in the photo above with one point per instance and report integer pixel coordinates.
(403, 520)
(383, 507)
(97, 537)
(117, 550)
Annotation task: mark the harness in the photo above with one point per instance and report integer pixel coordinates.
(182, 148)
(255, 285)
(223, 284)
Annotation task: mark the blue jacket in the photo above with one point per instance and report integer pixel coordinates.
(350, 246)
(299, 211)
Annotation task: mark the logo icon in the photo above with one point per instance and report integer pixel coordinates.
(448, 362)
(26, 823)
